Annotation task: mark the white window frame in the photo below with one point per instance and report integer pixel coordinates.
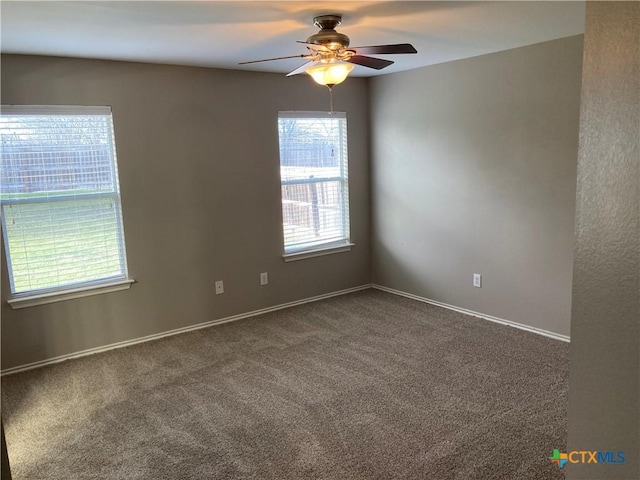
(80, 289)
(323, 247)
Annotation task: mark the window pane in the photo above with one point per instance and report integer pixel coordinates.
(62, 243)
(58, 155)
(61, 213)
(313, 170)
(312, 212)
(310, 147)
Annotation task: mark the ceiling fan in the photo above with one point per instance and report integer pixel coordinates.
(330, 59)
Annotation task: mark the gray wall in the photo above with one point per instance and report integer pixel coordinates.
(199, 173)
(604, 387)
(474, 171)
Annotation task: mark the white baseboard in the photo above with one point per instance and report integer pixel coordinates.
(156, 336)
(490, 318)
(148, 338)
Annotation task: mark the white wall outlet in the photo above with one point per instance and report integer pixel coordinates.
(477, 280)
(264, 278)
(219, 287)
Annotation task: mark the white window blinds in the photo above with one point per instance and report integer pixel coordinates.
(314, 180)
(60, 197)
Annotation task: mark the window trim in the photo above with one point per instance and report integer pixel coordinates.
(83, 289)
(325, 249)
(330, 246)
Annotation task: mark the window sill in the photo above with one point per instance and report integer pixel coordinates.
(52, 297)
(317, 252)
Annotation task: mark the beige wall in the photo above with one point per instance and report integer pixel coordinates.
(604, 385)
(474, 171)
(199, 173)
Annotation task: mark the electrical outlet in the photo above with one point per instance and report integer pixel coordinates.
(219, 287)
(264, 278)
(477, 280)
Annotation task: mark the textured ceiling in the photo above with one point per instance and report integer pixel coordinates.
(221, 34)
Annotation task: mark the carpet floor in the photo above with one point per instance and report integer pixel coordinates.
(362, 386)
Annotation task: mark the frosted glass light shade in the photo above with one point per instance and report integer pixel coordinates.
(330, 73)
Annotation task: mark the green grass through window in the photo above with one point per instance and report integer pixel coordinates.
(62, 243)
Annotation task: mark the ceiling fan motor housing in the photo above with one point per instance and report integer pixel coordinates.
(327, 36)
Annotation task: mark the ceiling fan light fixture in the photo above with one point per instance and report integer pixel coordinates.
(330, 73)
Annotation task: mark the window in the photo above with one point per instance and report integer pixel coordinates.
(314, 181)
(60, 198)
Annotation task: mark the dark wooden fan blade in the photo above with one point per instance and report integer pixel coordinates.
(276, 58)
(301, 68)
(377, 63)
(385, 49)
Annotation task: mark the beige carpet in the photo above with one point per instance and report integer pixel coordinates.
(363, 386)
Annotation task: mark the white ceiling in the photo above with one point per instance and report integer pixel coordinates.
(221, 34)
